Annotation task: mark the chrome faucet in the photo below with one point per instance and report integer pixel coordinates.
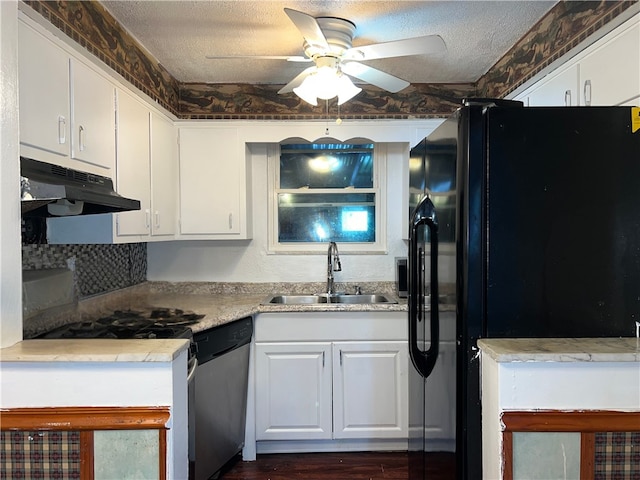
(333, 265)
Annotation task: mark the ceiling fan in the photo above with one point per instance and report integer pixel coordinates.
(328, 44)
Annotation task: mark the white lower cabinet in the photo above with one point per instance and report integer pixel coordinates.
(317, 390)
(370, 388)
(331, 377)
(293, 391)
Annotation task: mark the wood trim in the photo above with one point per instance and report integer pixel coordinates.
(573, 421)
(587, 456)
(85, 418)
(507, 456)
(163, 454)
(86, 455)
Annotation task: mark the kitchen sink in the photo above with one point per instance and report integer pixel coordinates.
(296, 299)
(357, 299)
(323, 298)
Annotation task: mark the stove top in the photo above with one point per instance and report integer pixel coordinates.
(127, 324)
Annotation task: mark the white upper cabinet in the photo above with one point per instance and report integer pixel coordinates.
(610, 75)
(605, 73)
(133, 160)
(213, 183)
(44, 105)
(92, 117)
(66, 107)
(561, 89)
(147, 170)
(164, 177)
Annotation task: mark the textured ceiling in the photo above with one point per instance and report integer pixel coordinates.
(180, 34)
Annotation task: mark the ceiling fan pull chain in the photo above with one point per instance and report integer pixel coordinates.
(326, 116)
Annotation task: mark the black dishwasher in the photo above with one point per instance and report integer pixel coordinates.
(218, 402)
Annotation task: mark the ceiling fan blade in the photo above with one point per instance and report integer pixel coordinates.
(261, 57)
(397, 48)
(374, 76)
(309, 28)
(297, 81)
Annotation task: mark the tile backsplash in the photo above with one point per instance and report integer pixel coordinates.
(96, 268)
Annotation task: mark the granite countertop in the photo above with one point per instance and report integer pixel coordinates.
(219, 303)
(504, 350)
(94, 350)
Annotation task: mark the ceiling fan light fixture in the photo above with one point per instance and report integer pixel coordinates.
(325, 83)
(307, 92)
(347, 90)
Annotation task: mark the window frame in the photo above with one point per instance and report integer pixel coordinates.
(379, 189)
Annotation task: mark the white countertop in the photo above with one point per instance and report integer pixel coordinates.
(94, 350)
(504, 350)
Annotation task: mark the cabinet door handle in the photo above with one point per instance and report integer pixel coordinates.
(587, 92)
(323, 359)
(62, 130)
(157, 219)
(81, 139)
(567, 98)
(340, 357)
(147, 218)
(230, 221)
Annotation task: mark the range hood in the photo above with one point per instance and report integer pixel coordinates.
(50, 190)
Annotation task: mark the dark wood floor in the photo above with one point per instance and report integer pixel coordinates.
(336, 466)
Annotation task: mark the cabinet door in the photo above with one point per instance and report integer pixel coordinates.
(440, 401)
(560, 89)
(134, 177)
(164, 176)
(92, 119)
(610, 75)
(370, 389)
(293, 391)
(43, 75)
(210, 181)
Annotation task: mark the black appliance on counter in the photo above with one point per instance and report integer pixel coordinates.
(542, 206)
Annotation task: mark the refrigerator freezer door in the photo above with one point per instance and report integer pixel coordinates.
(563, 223)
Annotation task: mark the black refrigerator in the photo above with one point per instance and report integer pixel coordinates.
(539, 208)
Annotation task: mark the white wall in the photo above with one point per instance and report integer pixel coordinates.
(249, 261)
(10, 256)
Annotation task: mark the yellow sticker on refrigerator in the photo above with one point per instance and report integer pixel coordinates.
(635, 119)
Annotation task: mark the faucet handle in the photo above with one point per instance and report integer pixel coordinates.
(358, 290)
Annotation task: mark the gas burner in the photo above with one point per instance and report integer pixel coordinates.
(123, 324)
(172, 317)
(165, 313)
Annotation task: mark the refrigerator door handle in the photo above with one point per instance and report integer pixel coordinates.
(424, 361)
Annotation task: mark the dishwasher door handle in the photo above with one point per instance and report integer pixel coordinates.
(193, 364)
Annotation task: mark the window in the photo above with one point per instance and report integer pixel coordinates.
(324, 192)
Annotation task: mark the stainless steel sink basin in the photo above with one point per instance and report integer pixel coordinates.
(324, 298)
(296, 299)
(359, 299)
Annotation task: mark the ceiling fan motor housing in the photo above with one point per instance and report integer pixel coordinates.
(339, 34)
